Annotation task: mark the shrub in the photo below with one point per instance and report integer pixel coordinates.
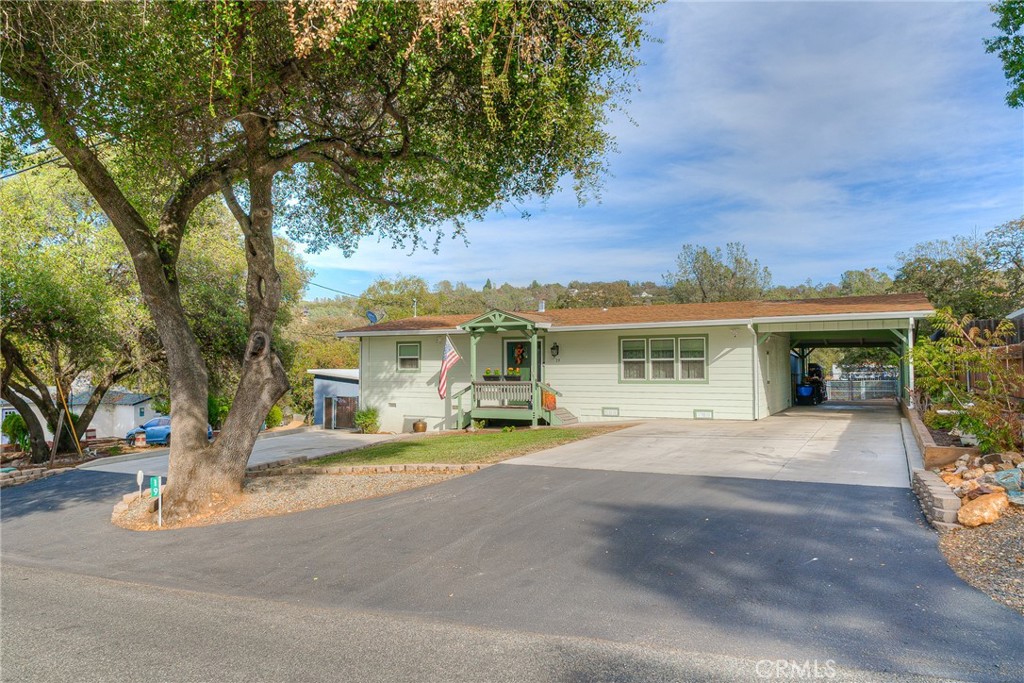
(936, 420)
(217, 408)
(15, 429)
(479, 424)
(275, 417)
(367, 420)
(508, 428)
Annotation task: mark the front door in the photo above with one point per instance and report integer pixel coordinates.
(517, 355)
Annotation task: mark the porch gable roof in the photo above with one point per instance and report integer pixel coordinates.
(497, 320)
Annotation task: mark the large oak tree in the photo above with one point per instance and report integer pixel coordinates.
(333, 119)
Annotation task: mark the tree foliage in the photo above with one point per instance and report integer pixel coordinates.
(705, 275)
(1009, 45)
(334, 120)
(959, 274)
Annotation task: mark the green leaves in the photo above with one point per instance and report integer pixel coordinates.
(1010, 46)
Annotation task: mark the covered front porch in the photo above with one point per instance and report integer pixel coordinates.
(513, 390)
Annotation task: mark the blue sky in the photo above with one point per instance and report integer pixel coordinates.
(825, 136)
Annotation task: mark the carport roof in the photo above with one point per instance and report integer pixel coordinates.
(726, 312)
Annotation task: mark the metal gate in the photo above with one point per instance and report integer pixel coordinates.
(861, 389)
(340, 412)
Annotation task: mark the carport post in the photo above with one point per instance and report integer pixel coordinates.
(910, 365)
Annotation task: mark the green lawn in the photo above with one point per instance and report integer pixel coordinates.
(463, 448)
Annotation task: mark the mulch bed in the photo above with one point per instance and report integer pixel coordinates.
(281, 495)
(991, 557)
(943, 438)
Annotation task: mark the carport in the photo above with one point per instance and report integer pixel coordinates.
(802, 337)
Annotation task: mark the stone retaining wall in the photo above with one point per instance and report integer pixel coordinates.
(25, 476)
(938, 502)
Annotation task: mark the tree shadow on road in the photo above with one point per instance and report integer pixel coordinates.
(824, 570)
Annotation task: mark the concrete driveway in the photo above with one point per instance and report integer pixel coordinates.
(312, 443)
(834, 443)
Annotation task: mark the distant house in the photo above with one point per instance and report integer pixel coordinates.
(332, 383)
(727, 360)
(119, 411)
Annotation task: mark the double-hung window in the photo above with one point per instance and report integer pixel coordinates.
(663, 358)
(693, 358)
(634, 358)
(408, 356)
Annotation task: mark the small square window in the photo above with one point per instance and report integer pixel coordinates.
(408, 356)
(142, 412)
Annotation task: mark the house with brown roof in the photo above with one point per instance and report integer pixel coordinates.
(728, 360)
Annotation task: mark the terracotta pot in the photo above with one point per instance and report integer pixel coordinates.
(419, 426)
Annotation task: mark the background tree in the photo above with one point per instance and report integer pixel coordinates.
(1004, 249)
(69, 304)
(395, 296)
(372, 118)
(703, 275)
(956, 274)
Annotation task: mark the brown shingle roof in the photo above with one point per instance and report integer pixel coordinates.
(726, 310)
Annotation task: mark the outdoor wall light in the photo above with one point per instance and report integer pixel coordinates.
(554, 350)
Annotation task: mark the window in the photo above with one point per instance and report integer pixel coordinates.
(663, 358)
(634, 359)
(408, 356)
(692, 358)
(142, 412)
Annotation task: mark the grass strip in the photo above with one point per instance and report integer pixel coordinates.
(464, 447)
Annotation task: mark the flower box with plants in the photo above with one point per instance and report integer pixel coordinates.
(492, 375)
(513, 375)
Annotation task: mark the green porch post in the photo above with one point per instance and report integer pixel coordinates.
(474, 337)
(533, 377)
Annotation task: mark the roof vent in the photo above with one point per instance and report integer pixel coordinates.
(541, 305)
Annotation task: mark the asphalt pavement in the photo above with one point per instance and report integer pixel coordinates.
(269, 448)
(535, 573)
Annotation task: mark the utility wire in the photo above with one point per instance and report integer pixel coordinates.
(331, 289)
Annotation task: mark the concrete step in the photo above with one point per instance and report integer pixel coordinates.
(566, 417)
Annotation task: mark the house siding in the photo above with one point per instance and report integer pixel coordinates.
(774, 378)
(586, 373)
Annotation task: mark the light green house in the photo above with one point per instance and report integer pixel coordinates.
(729, 360)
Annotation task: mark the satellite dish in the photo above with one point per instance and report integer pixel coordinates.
(375, 316)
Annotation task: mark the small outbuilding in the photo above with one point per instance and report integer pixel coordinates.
(330, 384)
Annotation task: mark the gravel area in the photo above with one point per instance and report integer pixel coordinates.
(268, 496)
(991, 557)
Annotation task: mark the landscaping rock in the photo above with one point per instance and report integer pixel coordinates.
(973, 473)
(1011, 458)
(989, 468)
(983, 510)
(991, 459)
(952, 480)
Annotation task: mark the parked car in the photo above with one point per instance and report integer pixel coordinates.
(157, 430)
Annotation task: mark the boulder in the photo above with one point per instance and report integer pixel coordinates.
(992, 459)
(952, 480)
(1011, 458)
(966, 487)
(983, 510)
(973, 473)
(989, 468)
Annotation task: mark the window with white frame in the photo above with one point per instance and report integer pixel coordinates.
(663, 359)
(633, 354)
(693, 358)
(408, 356)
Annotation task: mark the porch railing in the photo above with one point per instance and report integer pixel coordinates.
(502, 394)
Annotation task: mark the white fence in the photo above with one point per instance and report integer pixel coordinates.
(861, 389)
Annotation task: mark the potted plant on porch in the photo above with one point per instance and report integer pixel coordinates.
(490, 376)
(513, 375)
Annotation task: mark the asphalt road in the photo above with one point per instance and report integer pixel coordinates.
(515, 572)
(268, 448)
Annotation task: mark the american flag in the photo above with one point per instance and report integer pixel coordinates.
(450, 358)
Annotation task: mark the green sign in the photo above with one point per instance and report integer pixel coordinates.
(154, 486)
